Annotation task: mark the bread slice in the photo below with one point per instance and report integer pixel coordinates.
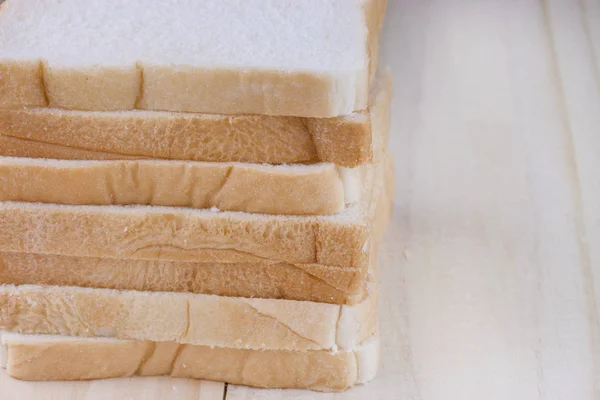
(274, 280)
(59, 358)
(345, 141)
(178, 234)
(275, 57)
(207, 320)
(316, 189)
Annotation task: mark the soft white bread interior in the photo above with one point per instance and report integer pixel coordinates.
(200, 319)
(345, 141)
(277, 57)
(60, 358)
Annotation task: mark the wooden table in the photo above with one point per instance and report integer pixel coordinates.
(491, 267)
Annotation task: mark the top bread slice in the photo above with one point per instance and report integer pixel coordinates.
(308, 58)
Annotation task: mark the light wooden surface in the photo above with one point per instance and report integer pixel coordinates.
(490, 274)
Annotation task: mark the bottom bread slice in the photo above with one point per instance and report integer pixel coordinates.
(59, 358)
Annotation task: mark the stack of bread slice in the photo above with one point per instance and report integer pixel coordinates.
(192, 188)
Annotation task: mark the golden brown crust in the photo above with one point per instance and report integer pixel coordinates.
(21, 83)
(49, 358)
(16, 147)
(175, 234)
(100, 88)
(311, 190)
(309, 282)
(180, 136)
(198, 319)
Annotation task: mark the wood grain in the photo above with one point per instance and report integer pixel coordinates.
(491, 266)
(135, 388)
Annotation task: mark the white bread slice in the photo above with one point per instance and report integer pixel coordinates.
(276, 57)
(345, 141)
(59, 358)
(309, 282)
(207, 320)
(316, 189)
(178, 234)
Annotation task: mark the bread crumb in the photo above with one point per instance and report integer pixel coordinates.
(365, 246)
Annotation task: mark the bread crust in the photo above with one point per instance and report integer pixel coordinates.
(309, 282)
(21, 83)
(48, 358)
(312, 190)
(199, 319)
(176, 234)
(16, 147)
